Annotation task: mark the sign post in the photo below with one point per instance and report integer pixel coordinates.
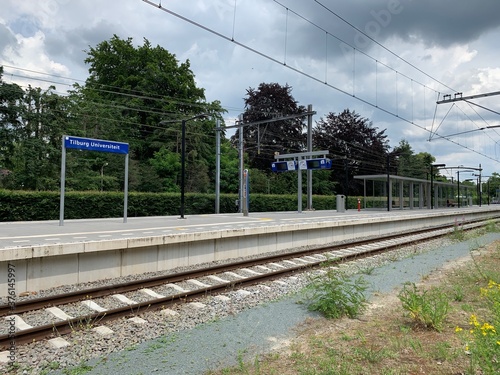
(90, 144)
(301, 161)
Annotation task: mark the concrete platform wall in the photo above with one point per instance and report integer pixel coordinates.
(43, 267)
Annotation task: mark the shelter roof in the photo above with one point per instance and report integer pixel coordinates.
(383, 177)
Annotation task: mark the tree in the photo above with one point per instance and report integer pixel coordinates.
(271, 101)
(356, 147)
(147, 84)
(167, 165)
(32, 122)
(492, 187)
(229, 171)
(11, 97)
(413, 165)
(138, 95)
(153, 93)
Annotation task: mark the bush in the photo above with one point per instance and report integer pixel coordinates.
(44, 205)
(335, 295)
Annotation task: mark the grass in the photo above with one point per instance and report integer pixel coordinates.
(460, 337)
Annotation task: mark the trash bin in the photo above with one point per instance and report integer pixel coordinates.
(340, 203)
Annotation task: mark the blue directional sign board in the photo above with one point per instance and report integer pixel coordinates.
(95, 145)
(303, 164)
(318, 163)
(284, 166)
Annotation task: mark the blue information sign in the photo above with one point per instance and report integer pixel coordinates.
(291, 165)
(319, 163)
(95, 145)
(284, 166)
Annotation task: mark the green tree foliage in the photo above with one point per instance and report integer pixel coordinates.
(11, 96)
(356, 148)
(31, 124)
(147, 85)
(229, 172)
(413, 165)
(152, 93)
(492, 185)
(271, 101)
(138, 95)
(167, 164)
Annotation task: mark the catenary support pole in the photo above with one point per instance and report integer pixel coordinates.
(217, 167)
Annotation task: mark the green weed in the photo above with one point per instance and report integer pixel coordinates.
(428, 307)
(335, 295)
(482, 339)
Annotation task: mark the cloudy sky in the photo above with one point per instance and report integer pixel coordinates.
(388, 60)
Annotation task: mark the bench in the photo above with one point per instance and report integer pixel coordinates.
(450, 203)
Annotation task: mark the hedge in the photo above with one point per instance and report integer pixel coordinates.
(33, 205)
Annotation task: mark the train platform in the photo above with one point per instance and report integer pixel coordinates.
(46, 254)
(42, 233)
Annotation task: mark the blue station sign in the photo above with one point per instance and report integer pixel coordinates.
(284, 166)
(322, 163)
(90, 144)
(304, 164)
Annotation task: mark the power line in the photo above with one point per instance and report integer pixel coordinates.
(119, 91)
(272, 59)
(381, 45)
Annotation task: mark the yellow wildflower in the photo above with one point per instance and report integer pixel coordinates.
(458, 329)
(486, 327)
(473, 321)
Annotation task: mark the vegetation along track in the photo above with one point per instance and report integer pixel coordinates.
(224, 277)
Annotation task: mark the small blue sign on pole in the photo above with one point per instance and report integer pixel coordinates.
(90, 144)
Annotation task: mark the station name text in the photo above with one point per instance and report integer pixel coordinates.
(92, 144)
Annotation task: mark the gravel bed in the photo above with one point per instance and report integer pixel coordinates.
(183, 343)
(77, 309)
(138, 296)
(113, 281)
(107, 303)
(209, 281)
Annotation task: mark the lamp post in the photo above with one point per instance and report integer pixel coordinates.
(183, 160)
(432, 181)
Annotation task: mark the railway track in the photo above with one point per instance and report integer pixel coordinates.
(67, 312)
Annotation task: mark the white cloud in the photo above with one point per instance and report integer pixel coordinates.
(459, 51)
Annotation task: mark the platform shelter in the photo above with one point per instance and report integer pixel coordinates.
(412, 193)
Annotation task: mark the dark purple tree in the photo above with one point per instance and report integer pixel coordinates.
(356, 148)
(271, 101)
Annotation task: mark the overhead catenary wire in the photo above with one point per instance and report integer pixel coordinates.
(314, 78)
(376, 104)
(119, 91)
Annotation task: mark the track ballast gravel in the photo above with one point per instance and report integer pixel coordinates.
(226, 331)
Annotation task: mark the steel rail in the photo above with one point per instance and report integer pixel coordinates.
(67, 326)
(103, 291)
